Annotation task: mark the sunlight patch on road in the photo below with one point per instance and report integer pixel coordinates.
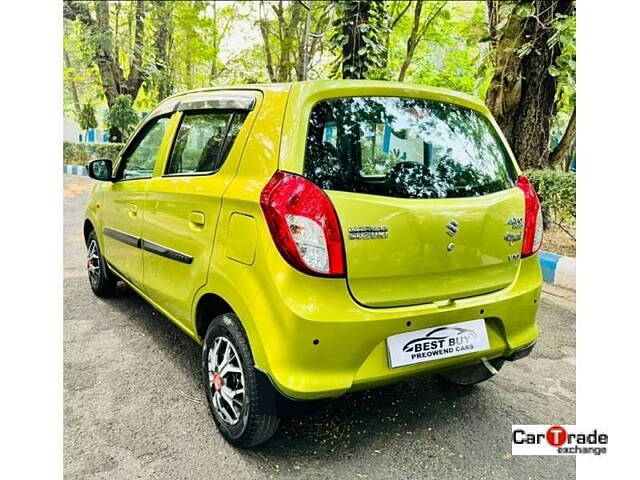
(75, 189)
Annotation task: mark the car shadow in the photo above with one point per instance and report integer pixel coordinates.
(327, 428)
(365, 419)
(168, 337)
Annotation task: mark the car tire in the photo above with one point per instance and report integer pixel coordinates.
(239, 402)
(473, 374)
(102, 281)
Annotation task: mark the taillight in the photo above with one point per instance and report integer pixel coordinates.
(303, 225)
(532, 237)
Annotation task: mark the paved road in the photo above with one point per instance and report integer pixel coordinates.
(134, 407)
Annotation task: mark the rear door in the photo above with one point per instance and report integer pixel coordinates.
(183, 202)
(425, 194)
(123, 200)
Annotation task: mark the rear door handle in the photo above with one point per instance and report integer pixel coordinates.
(196, 218)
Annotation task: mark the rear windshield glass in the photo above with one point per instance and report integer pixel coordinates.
(404, 147)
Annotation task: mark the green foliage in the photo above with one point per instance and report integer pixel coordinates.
(557, 191)
(87, 118)
(80, 153)
(564, 70)
(79, 70)
(220, 44)
(122, 115)
(196, 43)
(450, 54)
(565, 38)
(357, 38)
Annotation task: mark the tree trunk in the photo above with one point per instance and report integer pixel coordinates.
(72, 86)
(213, 74)
(264, 30)
(164, 32)
(412, 40)
(286, 41)
(521, 94)
(320, 25)
(394, 16)
(136, 74)
(110, 70)
(565, 147)
(286, 34)
(301, 60)
(354, 36)
(417, 33)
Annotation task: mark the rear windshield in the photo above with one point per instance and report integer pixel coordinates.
(404, 147)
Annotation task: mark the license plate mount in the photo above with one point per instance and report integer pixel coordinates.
(436, 343)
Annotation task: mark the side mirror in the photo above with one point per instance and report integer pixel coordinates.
(100, 169)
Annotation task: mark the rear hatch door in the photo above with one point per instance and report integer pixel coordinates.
(425, 194)
(406, 251)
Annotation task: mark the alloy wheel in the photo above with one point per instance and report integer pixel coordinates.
(93, 262)
(226, 381)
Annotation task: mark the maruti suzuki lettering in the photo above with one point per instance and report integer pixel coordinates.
(322, 237)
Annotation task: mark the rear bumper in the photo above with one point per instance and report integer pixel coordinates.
(520, 354)
(313, 341)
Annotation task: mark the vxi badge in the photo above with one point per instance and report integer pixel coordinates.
(556, 440)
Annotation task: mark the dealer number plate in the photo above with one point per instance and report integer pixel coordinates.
(437, 342)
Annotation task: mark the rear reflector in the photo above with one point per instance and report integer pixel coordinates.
(532, 237)
(304, 225)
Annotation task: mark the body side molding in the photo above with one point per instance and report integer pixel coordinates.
(148, 246)
(122, 236)
(166, 252)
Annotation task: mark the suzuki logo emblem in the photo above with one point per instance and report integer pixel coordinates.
(452, 228)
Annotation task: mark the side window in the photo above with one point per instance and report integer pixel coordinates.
(203, 142)
(141, 159)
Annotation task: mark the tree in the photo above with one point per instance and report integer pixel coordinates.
(162, 23)
(560, 155)
(358, 37)
(87, 118)
(114, 82)
(395, 12)
(221, 21)
(149, 50)
(418, 31)
(564, 71)
(319, 17)
(122, 116)
(72, 84)
(522, 92)
(451, 53)
(279, 62)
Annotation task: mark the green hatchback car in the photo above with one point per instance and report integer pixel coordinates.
(322, 237)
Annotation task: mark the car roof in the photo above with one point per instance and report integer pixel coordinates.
(402, 89)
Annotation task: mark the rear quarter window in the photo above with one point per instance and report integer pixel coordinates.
(404, 147)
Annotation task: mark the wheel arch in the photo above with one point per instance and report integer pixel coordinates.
(210, 303)
(87, 228)
(209, 306)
